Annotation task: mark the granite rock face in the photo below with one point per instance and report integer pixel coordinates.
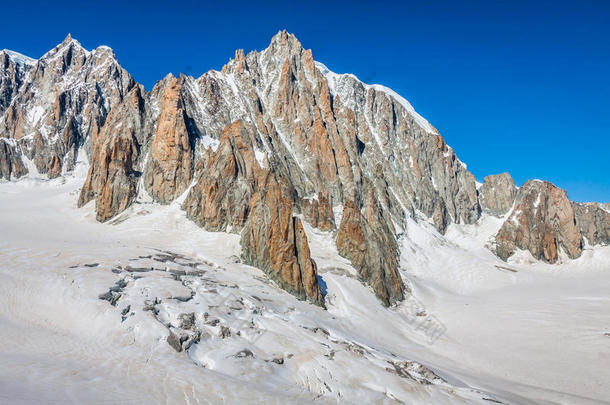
(13, 69)
(542, 222)
(60, 103)
(318, 212)
(364, 238)
(271, 138)
(410, 165)
(170, 164)
(11, 165)
(220, 199)
(113, 174)
(233, 193)
(274, 240)
(593, 221)
(497, 194)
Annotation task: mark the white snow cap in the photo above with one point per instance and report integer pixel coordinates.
(19, 58)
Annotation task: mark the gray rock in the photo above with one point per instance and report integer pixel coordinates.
(497, 194)
(366, 240)
(187, 321)
(258, 141)
(593, 221)
(11, 165)
(174, 341)
(63, 101)
(542, 222)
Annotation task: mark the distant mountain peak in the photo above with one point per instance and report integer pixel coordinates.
(68, 39)
(18, 57)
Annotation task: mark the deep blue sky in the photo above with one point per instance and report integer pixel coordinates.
(512, 86)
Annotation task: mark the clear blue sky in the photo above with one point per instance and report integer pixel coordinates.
(512, 86)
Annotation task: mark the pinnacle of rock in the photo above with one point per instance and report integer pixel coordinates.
(273, 138)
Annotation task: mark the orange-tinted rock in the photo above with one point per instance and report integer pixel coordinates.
(497, 194)
(234, 193)
(112, 178)
(275, 241)
(170, 167)
(543, 222)
(366, 240)
(55, 168)
(318, 212)
(220, 198)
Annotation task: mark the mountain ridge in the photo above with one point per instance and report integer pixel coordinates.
(303, 131)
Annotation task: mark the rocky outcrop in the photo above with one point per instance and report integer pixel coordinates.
(62, 102)
(11, 165)
(55, 166)
(543, 222)
(593, 221)
(408, 162)
(13, 68)
(272, 136)
(364, 238)
(170, 164)
(233, 193)
(274, 240)
(318, 212)
(113, 176)
(497, 194)
(220, 199)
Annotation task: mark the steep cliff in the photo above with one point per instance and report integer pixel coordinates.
(269, 139)
(542, 222)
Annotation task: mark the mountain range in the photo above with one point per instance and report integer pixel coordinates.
(272, 140)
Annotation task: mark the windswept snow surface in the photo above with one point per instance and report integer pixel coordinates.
(521, 332)
(19, 58)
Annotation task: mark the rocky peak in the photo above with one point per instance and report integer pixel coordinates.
(327, 137)
(62, 104)
(543, 222)
(13, 67)
(114, 170)
(284, 43)
(593, 221)
(171, 160)
(68, 53)
(68, 40)
(272, 135)
(497, 194)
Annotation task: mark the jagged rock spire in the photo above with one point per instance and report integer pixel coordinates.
(305, 133)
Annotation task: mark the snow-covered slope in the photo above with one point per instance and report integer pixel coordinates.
(85, 306)
(19, 58)
(339, 194)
